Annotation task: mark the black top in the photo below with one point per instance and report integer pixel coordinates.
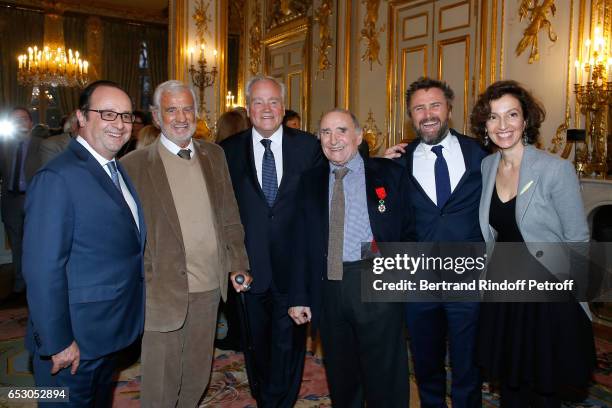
(502, 218)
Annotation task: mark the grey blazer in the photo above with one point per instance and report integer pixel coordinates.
(549, 207)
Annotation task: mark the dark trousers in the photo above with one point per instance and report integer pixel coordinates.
(364, 346)
(280, 349)
(91, 386)
(429, 326)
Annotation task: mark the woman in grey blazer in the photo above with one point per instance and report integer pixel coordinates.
(534, 350)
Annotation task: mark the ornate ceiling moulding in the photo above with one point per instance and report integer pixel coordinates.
(255, 38)
(96, 8)
(280, 12)
(322, 15)
(369, 32)
(537, 16)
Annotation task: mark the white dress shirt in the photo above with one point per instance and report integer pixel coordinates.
(424, 160)
(124, 189)
(173, 148)
(277, 149)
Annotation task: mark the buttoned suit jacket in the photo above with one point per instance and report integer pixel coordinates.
(82, 258)
(457, 220)
(165, 261)
(394, 224)
(270, 231)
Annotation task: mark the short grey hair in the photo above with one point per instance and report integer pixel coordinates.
(346, 112)
(173, 86)
(258, 78)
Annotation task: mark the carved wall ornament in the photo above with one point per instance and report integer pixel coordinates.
(537, 15)
(202, 19)
(283, 11)
(369, 32)
(255, 40)
(371, 134)
(322, 15)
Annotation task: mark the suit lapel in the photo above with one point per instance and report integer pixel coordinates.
(214, 196)
(410, 166)
(289, 152)
(251, 169)
(101, 177)
(488, 184)
(373, 181)
(141, 228)
(323, 188)
(528, 180)
(159, 181)
(467, 159)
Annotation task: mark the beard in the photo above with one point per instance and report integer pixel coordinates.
(431, 139)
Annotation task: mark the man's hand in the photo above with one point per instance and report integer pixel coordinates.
(70, 356)
(395, 151)
(300, 314)
(244, 286)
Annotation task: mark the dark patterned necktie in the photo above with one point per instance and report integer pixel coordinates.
(269, 183)
(112, 166)
(185, 154)
(443, 186)
(335, 244)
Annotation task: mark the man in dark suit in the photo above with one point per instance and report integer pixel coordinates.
(265, 165)
(342, 205)
(19, 160)
(444, 184)
(195, 240)
(83, 254)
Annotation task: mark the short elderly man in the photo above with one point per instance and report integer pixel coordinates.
(195, 240)
(365, 350)
(83, 254)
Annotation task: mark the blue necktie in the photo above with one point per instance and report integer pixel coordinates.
(112, 166)
(269, 184)
(443, 186)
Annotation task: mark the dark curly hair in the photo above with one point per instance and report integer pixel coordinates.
(533, 111)
(428, 83)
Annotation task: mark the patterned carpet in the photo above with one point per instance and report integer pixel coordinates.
(229, 386)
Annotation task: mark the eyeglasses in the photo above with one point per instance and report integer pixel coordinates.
(110, 115)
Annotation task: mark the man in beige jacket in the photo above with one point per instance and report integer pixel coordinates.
(195, 239)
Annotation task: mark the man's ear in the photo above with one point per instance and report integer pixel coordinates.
(155, 115)
(81, 119)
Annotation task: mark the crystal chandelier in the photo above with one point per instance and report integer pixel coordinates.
(50, 65)
(47, 67)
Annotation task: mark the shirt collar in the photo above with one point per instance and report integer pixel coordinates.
(277, 136)
(354, 165)
(172, 147)
(449, 143)
(99, 158)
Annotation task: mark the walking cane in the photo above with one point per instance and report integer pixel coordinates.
(249, 349)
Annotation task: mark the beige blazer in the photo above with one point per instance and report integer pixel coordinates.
(164, 261)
